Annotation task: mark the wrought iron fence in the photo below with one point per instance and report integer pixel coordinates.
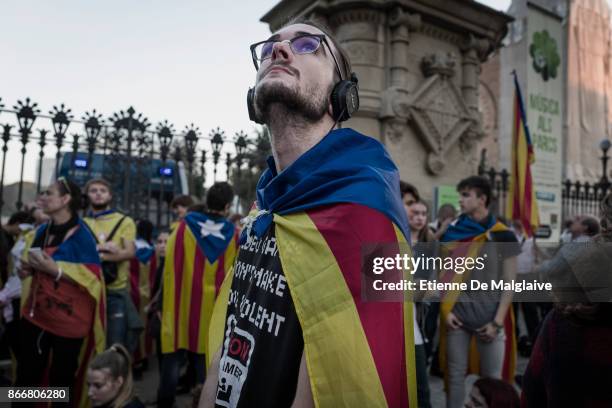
(147, 165)
(577, 198)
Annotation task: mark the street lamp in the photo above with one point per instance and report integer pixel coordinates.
(93, 126)
(129, 121)
(26, 115)
(216, 143)
(165, 133)
(241, 146)
(191, 143)
(61, 118)
(6, 136)
(42, 141)
(604, 183)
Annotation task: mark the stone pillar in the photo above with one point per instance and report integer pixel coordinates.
(361, 32)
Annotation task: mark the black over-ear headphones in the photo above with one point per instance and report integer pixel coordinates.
(344, 99)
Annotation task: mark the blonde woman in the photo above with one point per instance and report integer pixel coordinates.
(109, 380)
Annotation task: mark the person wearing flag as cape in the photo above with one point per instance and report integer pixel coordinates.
(290, 326)
(115, 234)
(476, 330)
(199, 253)
(63, 315)
(142, 276)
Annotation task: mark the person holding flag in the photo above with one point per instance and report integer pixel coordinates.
(63, 316)
(290, 327)
(477, 328)
(199, 253)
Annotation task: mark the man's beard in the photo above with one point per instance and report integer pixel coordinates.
(100, 207)
(309, 106)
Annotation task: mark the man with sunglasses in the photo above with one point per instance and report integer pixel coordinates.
(290, 327)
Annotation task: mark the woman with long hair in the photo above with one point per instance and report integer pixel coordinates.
(63, 311)
(109, 380)
(417, 219)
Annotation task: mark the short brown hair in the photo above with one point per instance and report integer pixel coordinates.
(182, 200)
(219, 196)
(98, 181)
(481, 185)
(407, 188)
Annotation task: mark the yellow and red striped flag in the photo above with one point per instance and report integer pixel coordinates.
(522, 204)
(367, 344)
(199, 253)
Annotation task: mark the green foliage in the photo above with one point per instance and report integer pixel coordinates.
(546, 59)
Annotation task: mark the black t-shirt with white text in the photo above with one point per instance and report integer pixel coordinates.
(263, 342)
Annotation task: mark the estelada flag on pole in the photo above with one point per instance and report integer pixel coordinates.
(198, 254)
(522, 204)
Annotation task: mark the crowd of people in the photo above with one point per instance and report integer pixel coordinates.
(564, 341)
(268, 310)
(87, 295)
(65, 300)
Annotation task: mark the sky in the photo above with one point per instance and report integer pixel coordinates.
(185, 61)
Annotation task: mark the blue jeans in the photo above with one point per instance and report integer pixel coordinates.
(116, 319)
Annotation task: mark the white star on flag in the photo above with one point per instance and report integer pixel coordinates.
(211, 228)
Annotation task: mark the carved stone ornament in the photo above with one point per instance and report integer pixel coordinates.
(400, 17)
(441, 119)
(482, 46)
(440, 63)
(395, 111)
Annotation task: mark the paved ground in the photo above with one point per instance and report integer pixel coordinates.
(147, 387)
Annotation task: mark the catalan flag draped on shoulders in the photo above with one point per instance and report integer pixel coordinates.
(199, 252)
(465, 238)
(142, 276)
(296, 288)
(78, 304)
(522, 204)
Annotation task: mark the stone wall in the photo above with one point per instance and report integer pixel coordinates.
(418, 63)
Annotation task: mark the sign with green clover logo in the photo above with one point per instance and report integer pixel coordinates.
(544, 103)
(545, 54)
